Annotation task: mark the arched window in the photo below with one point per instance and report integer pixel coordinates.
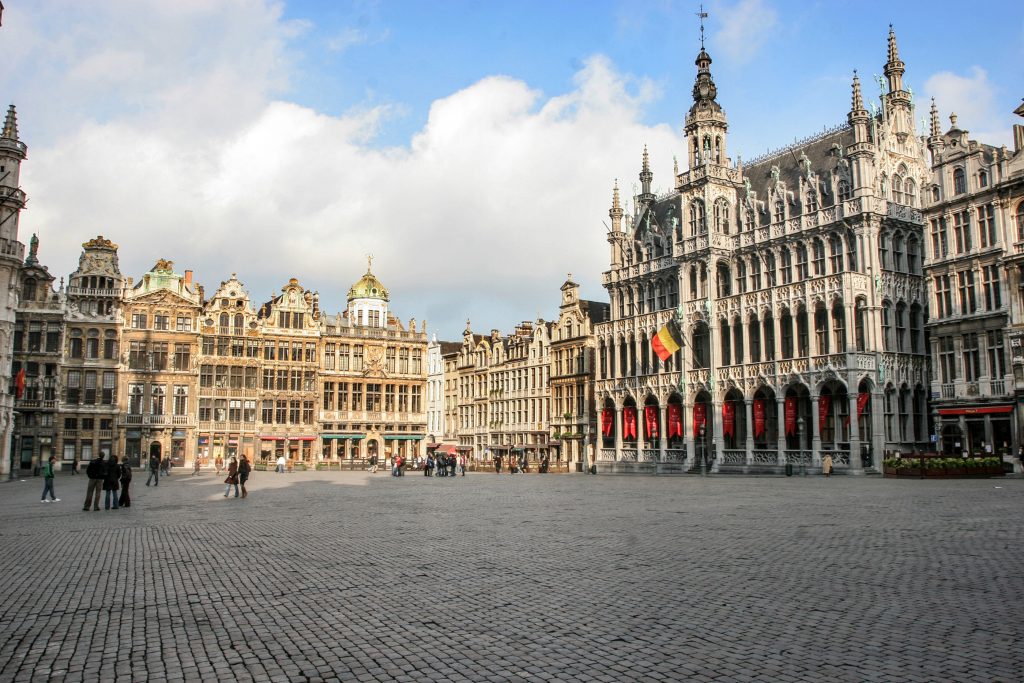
(912, 261)
(718, 150)
(755, 272)
(741, 277)
(225, 323)
(787, 265)
(897, 252)
(839, 326)
(786, 323)
(883, 247)
(722, 216)
(883, 185)
(819, 256)
(851, 250)
(983, 178)
(724, 280)
(886, 326)
(769, 336)
(751, 219)
(897, 189)
(650, 297)
(698, 221)
(1019, 218)
(910, 190)
(754, 333)
(769, 268)
(835, 244)
(844, 191)
(901, 326)
(812, 202)
(239, 323)
(737, 340)
(859, 313)
(916, 329)
(726, 335)
(821, 329)
(694, 292)
(959, 181)
(801, 262)
(700, 346)
(780, 211)
(659, 291)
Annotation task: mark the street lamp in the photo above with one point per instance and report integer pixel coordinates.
(703, 451)
(800, 444)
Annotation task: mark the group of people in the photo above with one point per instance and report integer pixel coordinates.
(444, 464)
(238, 474)
(518, 463)
(107, 475)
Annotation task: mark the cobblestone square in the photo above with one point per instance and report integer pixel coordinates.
(353, 577)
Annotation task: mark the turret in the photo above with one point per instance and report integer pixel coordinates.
(860, 151)
(12, 200)
(615, 235)
(894, 66)
(936, 144)
(645, 180)
(706, 123)
(898, 106)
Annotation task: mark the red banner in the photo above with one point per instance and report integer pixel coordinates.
(790, 415)
(824, 402)
(607, 422)
(700, 415)
(758, 416)
(729, 418)
(862, 401)
(629, 422)
(675, 420)
(651, 421)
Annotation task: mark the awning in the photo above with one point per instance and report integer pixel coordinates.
(464, 448)
(272, 438)
(343, 436)
(444, 448)
(403, 437)
(302, 438)
(980, 410)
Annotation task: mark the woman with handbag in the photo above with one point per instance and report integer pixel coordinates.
(126, 478)
(232, 479)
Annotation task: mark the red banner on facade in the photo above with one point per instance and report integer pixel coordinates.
(862, 401)
(824, 403)
(790, 415)
(651, 421)
(607, 422)
(758, 416)
(675, 420)
(629, 422)
(729, 418)
(700, 415)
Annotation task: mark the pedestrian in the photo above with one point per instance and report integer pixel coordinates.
(280, 464)
(125, 500)
(462, 463)
(154, 469)
(401, 461)
(48, 481)
(74, 466)
(373, 464)
(195, 466)
(497, 464)
(97, 472)
(243, 474)
(111, 483)
(826, 465)
(232, 478)
(218, 464)
(451, 465)
(429, 467)
(165, 465)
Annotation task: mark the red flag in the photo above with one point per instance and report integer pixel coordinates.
(790, 415)
(700, 415)
(728, 418)
(19, 383)
(758, 416)
(607, 422)
(862, 401)
(629, 422)
(675, 420)
(824, 402)
(651, 420)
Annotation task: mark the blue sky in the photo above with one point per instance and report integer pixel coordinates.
(470, 146)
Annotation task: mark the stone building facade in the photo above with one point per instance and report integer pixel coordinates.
(975, 248)
(798, 284)
(158, 380)
(12, 252)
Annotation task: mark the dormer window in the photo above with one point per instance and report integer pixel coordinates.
(982, 178)
(959, 181)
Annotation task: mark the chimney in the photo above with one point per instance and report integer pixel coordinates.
(1018, 138)
(188, 277)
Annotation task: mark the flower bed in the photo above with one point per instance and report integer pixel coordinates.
(933, 467)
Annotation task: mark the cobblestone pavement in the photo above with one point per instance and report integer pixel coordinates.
(348, 576)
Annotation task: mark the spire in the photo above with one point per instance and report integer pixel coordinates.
(935, 131)
(10, 124)
(858, 100)
(646, 177)
(894, 66)
(616, 211)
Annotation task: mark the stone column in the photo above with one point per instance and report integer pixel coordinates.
(717, 438)
(781, 422)
(618, 432)
(748, 404)
(855, 459)
(688, 432)
(815, 432)
(663, 432)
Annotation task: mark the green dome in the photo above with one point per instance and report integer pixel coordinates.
(368, 287)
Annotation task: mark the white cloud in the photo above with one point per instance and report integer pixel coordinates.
(499, 195)
(745, 27)
(973, 99)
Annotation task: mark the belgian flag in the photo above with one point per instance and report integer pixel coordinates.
(668, 340)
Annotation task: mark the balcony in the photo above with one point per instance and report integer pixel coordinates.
(948, 391)
(997, 387)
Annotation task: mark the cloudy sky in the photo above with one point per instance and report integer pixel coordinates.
(470, 146)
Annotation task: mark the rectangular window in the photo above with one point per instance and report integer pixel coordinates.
(357, 396)
(403, 361)
(328, 394)
(137, 356)
(237, 347)
(205, 409)
(389, 398)
(138, 321)
(357, 358)
(343, 396)
(268, 379)
(220, 376)
(329, 356)
(309, 355)
(281, 383)
(267, 412)
(373, 397)
(269, 350)
(996, 355)
(251, 377)
(993, 297)
(307, 412)
(249, 411)
(183, 324)
(295, 380)
(403, 399)
(968, 299)
(135, 398)
(180, 399)
(343, 357)
(208, 346)
(182, 357)
(940, 247)
(416, 400)
(417, 362)
(236, 378)
(235, 410)
(293, 412)
(220, 410)
(161, 322)
(109, 349)
(962, 231)
(92, 347)
(947, 360)
(35, 337)
(389, 359)
(109, 386)
(987, 226)
(223, 344)
(206, 376)
(971, 357)
(156, 404)
(52, 341)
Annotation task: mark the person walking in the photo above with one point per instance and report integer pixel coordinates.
(232, 478)
(154, 469)
(97, 472)
(195, 466)
(280, 464)
(48, 481)
(74, 466)
(125, 500)
(218, 464)
(826, 465)
(243, 474)
(497, 464)
(111, 483)
(462, 463)
(165, 465)
(428, 468)
(451, 465)
(373, 464)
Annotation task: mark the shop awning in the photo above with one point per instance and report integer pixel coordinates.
(403, 437)
(343, 436)
(272, 438)
(445, 448)
(979, 410)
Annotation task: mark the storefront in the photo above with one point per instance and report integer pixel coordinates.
(978, 430)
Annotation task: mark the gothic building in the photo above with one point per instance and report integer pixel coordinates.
(975, 215)
(12, 252)
(798, 282)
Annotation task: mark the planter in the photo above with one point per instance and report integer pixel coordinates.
(910, 472)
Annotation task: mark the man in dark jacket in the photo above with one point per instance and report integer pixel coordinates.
(154, 469)
(97, 472)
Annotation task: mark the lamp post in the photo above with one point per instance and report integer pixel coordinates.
(703, 451)
(800, 444)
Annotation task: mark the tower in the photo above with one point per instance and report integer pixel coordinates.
(706, 124)
(12, 253)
